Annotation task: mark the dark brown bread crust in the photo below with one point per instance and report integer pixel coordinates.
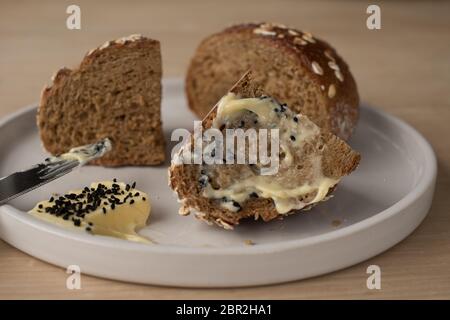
(183, 178)
(315, 60)
(133, 123)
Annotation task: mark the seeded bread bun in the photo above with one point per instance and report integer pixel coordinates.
(116, 93)
(291, 65)
(338, 160)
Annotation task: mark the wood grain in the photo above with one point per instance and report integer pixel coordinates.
(404, 69)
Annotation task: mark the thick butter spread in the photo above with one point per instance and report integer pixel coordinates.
(106, 208)
(291, 187)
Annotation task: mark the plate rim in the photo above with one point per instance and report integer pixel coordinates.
(425, 181)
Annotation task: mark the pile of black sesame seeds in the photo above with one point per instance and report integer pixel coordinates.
(74, 207)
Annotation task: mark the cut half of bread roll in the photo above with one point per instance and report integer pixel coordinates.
(292, 66)
(311, 162)
(115, 92)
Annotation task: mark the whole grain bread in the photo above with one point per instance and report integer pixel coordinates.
(338, 160)
(115, 92)
(291, 65)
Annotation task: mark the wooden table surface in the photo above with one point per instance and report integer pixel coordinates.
(404, 69)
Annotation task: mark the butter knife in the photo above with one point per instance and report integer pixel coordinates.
(52, 168)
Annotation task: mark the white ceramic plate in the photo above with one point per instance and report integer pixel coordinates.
(373, 209)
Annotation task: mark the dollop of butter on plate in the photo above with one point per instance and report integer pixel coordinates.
(107, 208)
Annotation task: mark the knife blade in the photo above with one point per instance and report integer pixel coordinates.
(52, 168)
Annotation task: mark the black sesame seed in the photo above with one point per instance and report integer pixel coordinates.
(137, 194)
(295, 119)
(114, 180)
(236, 204)
(292, 138)
(113, 206)
(203, 181)
(127, 187)
(133, 185)
(90, 223)
(276, 110)
(132, 201)
(213, 153)
(88, 229)
(77, 222)
(51, 199)
(104, 210)
(40, 206)
(254, 195)
(143, 199)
